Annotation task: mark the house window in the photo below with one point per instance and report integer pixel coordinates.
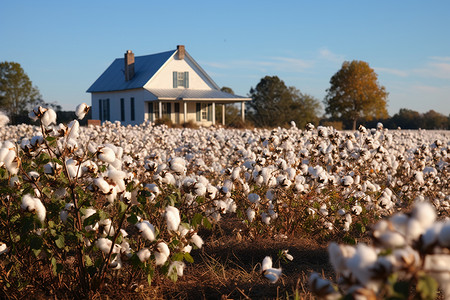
(204, 112)
(122, 109)
(180, 79)
(132, 108)
(103, 107)
(151, 118)
(156, 110)
(166, 110)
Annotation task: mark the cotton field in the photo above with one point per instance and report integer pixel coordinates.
(91, 201)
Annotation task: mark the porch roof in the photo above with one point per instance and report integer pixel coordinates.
(197, 95)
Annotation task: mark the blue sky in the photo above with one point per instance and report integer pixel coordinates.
(64, 46)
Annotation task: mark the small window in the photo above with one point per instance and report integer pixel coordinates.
(132, 108)
(122, 109)
(156, 110)
(103, 106)
(180, 79)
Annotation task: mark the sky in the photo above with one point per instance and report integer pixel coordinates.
(64, 46)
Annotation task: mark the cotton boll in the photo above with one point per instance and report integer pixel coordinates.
(357, 210)
(172, 216)
(118, 178)
(265, 218)
(250, 214)
(147, 230)
(106, 228)
(197, 240)
(347, 181)
(266, 263)
(106, 155)
(338, 255)
(49, 117)
(430, 236)
(143, 254)
(28, 203)
(322, 287)
(73, 129)
(3, 247)
(287, 255)
(102, 185)
(81, 110)
(34, 205)
(272, 274)
(253, 198)
(161, 254)
(104, 245)
(116, 263)
(64, 214)
(176, 267)
(359, 264)
(424, 213)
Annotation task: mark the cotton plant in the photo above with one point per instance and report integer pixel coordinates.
(410, 248)
(77, 198)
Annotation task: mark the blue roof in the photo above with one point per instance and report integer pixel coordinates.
(113, 79)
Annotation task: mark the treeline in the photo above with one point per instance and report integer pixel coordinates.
(404, 119)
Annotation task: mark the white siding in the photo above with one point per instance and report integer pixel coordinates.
(163, 79)
(139, 95)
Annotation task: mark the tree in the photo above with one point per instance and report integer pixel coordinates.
(435, 120)
(275, 104)
(355, 94)
(407, 119)
(17, 92)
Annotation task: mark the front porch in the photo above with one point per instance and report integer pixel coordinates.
(201, 112)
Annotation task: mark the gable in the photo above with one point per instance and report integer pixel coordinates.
(145, 68)
(198, 79)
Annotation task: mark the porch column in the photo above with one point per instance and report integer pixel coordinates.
(223, 114)
(185, 111)
(160, 109)
(214, 113)
(243, 110)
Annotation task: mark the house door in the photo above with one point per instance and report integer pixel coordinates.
(177, 113)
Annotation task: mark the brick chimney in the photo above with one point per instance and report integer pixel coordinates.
(129, 65)
(181, 51)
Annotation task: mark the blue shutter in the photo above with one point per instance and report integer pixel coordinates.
(132, 117)
(100, 109)
(186, 79)
(175, 79)
(199, 111)
(107, 116)
(122, 109)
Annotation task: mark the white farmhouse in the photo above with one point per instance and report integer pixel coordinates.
(168, 85)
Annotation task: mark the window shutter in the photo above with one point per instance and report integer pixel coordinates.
(122, 109)
(169, 109)
(107, 117)
(186, 79)
(199, 111)
(209, 112)
(132, 117)
(100, 110)
(175, 79)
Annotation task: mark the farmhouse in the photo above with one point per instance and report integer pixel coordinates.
(168, 85)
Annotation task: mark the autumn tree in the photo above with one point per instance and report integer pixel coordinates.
(355, 94)
(17, 93)
(275, 104)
